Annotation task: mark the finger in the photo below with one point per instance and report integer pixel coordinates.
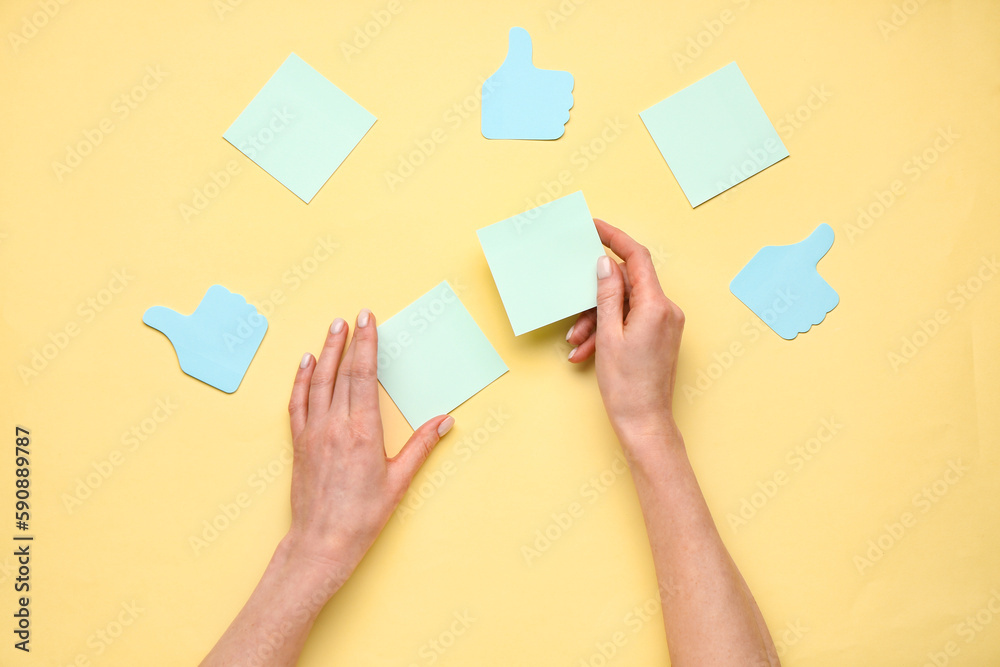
(584, 350)
(416, 450)
(610, 298)
(580, 333)
(363, 387)
(628, 283)
(342, 387)
(583, 334)
(637, 257)
(298, 404)
(583, 327)
(321, 385)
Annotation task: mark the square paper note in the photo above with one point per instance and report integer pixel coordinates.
(432, 357)
(544, 262)
(714, 134)
(299, 128)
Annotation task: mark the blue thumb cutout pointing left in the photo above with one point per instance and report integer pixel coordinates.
(217, 342)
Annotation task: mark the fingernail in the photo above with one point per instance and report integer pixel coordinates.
(604, 267)
(446, 425)
(569, 334)
(337, 326)
(305, 360)
(363, 317)
(572, 353)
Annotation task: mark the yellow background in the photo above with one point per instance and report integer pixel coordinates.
(887, 94)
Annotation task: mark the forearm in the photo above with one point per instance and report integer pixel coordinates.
(272, 627)
(708, 612)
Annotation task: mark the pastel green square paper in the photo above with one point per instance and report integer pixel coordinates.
(544, 262)
(713, 134)
(299, 128)
(432, 356)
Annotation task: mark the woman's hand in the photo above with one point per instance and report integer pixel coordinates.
(635, 335)
(709, 614)
(344, 487)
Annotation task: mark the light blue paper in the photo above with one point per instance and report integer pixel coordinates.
(432, 356)
(780, 284)
(216, 343)
(544, 262)
(523, 102)
(713, 134)
(299, 128)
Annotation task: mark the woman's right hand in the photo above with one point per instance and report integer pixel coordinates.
(635, 335)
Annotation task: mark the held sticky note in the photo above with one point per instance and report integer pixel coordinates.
(544, 262)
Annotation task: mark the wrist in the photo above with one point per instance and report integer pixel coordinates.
(651, 445)
(308, 579)
(649, 436)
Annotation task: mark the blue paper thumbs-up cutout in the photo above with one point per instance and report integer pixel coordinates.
(521, 101)
(216, 343)
(780, 284)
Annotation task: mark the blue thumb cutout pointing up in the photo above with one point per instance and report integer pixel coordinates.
(521, 101)
(780, 284)
(216, 343)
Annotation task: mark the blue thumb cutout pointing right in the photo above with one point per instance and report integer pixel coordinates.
(782, 287)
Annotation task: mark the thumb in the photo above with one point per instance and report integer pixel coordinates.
(610, 297)
(164, 320)
(815, 245)
(518, 48)
(420, 445)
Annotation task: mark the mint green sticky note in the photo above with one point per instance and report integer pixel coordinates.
(299, 128)
(432, 356)
(544, 262)
(713, 134)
